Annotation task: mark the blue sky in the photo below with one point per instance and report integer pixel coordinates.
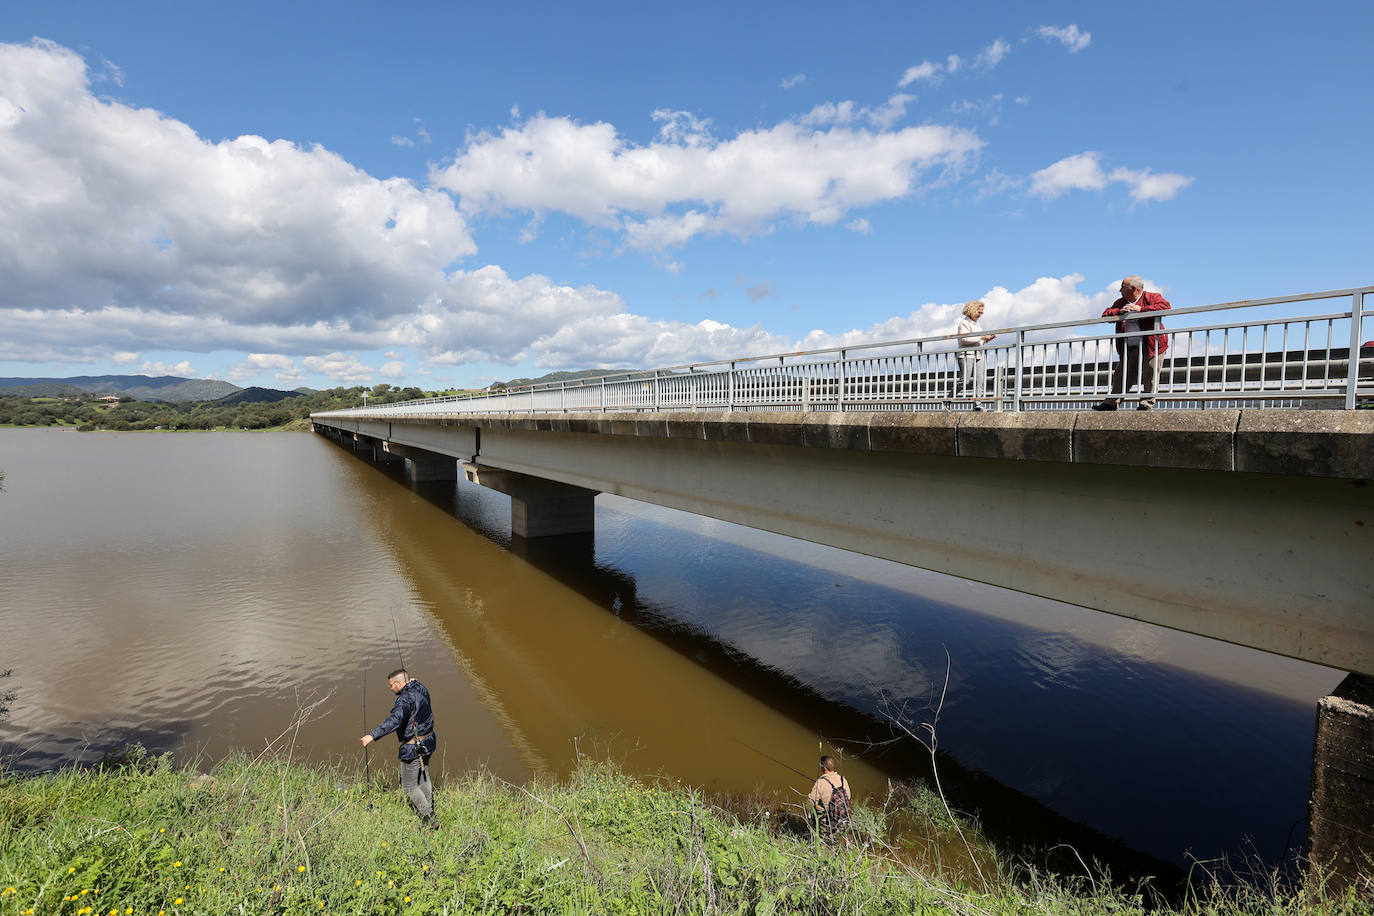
(441, 195)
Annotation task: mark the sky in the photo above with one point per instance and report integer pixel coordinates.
(444, 194)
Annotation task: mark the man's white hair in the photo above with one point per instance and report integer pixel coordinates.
(1136, 282)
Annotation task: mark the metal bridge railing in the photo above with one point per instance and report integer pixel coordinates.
(1251, 353)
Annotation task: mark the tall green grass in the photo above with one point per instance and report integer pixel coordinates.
(271, 836)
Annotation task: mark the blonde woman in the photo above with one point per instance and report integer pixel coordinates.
(969, 382)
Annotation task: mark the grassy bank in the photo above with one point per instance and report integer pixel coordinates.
(272, 837)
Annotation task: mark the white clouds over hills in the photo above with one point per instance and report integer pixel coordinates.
(123, 231)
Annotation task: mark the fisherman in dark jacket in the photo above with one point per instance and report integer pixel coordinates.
(412, 720)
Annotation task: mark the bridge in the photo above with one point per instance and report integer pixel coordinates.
(1238, 509)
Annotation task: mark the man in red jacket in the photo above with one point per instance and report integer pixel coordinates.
(1140, 355)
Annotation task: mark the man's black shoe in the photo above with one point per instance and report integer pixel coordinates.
(1105, 405)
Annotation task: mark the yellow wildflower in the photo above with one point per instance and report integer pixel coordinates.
(300, 868)
(359, 882)
(407, 900)
(176, 864)
(8, 892)
(424, 868)
(177, 902)
(221, 868)
(162, 830)
(70, 870)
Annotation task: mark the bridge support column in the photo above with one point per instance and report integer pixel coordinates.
(538, 507)
(422, 464)
(382, 456)
(1340, 817)
(438, 468)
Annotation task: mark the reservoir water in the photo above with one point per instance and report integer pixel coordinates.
(192, 591)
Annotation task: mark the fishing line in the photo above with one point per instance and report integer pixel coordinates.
(424, 768)
(396, 634)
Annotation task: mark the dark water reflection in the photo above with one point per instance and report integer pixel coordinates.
(192, 590)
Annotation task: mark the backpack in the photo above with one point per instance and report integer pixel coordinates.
(837, 809)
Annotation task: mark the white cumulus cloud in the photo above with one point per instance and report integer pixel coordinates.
(687, 183)
(183, 368)
(258, 363)
(1047, 300)
(123, 231)
(345, 368)
(1069, 36)
(1084, 171)
(992, 55)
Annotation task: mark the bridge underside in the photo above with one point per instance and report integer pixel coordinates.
(1274, 562)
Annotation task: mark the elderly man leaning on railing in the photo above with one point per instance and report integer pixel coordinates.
(1131, 369)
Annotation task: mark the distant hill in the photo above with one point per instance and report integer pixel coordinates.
(142, 387)
(568, 376)
(256, 395)
(306, 390)
(41, 390)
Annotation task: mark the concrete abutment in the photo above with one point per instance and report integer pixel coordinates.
(1340, 824)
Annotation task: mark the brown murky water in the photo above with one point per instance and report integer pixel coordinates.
(192, 591)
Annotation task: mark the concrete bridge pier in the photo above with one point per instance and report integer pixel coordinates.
(375, 450)
(538, 507)
(422, 464)
(1340, 816)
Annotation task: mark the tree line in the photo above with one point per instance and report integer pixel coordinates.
(90, 413)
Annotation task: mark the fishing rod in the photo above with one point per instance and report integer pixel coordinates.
(772, 758)
(424, 769)
(367, 769)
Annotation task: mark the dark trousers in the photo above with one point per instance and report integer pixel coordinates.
(1135, 367)
(415, 784)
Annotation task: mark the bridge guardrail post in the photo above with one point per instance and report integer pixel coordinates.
(839, 396)
(730, 389)
(1016, 377)
(656, 398)
(1352, 362)
(563, 396)
(603, 394)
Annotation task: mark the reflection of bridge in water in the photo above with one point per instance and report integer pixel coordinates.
(1248, 525)
(522, 660)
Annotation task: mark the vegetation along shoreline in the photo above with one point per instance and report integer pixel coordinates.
(272, 835)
